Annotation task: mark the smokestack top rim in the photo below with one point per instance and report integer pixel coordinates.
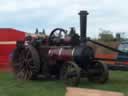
(83, 12)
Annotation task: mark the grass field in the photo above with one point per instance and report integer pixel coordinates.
(10, 87)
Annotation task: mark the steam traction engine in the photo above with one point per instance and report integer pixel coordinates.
(61, 55)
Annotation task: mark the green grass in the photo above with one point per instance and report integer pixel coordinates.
(10, 87)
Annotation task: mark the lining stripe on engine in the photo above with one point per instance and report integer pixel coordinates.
(60, 51)
(73, 51)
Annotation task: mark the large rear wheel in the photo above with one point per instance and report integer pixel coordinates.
(26, 63)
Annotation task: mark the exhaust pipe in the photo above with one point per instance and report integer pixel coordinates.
(83, 26)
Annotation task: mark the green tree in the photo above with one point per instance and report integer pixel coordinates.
(43, 32)
(106, 35)
(37, 31)
(118, 36)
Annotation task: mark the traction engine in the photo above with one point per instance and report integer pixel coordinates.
(61, 55)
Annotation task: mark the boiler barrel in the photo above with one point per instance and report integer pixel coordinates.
(61, 54)
(80, 55)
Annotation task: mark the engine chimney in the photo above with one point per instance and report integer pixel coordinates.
(83, 25)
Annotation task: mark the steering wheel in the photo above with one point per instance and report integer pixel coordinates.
(57, 34)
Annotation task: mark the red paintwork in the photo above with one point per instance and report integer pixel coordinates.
(5, 50)
(107, 56)
(61, 54)
(110, 56)
(4, 63)
(8, 35)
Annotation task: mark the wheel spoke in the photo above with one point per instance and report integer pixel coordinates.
(26, 63)
(28, 54)
(71, 73)
(99, 72)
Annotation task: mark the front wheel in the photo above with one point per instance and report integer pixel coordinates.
(98, 72)
(70, 73)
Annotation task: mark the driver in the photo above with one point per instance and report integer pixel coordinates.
(74, 37)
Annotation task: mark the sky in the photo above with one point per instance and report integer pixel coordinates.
(27, 15)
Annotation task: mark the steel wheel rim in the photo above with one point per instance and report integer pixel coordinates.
(24, 64)
(69, 78)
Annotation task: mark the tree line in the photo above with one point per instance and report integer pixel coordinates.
(106, 35)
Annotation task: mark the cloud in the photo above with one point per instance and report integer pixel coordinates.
(28, 14)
